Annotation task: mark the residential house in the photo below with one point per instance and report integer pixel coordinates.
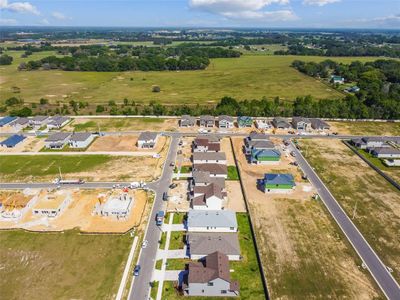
(52, 204)
(225, 122)
(319, 124)
(210, 277)
(187, 121)
(369, 142)
(19, 123)
(38, 121)
(215, 170)
(244, 121)
(278, 183)
(57, 122)
(211, 221)
(147, 140)
(301, 123)
(6, 121)
(207, 121)
(201, 244)
(259, 145)
(80, 140)
(209, 158)
(353, 89)
(117, 205)
(281, 123)
(208, 197)
(202, 178)
(263, 124)
(12, 141)
(206, 143)
(391, 162)
(386, 152)
(337, 79)
(265, 156)
(57, 140)
(255, 136)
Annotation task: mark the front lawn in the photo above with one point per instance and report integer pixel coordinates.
(177, 240)
(179, 218)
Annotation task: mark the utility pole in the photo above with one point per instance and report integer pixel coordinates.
(355, 209)
(59, 171)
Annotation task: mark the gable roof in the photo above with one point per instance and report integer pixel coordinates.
(278, 121)
(188, 120)
(216, 265)
(6, 120)
(212, 218)
(80, 136)
(265, 144)
(147, 136)
(202, 243)
(203, 177)
(58, 120)
(12, 140)
(207, 118)
(209, 156)
(219, 169)
(225, 118)
(255, 136)
(245, 119)
(386, 150)
(265, 153)
(279, 179)
(318, 123)
(20, 121)
(58, 136)
(296, 120)
(206, 193)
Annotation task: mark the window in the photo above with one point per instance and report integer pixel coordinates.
(210, 284)
(232, 228)
(223, 292)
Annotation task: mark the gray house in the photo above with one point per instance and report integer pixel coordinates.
(206, 143)
(57, 140)
(201, 244)
(187, 121)
(209, 158)
(386, 152)
(57, 122)
(301, 123)
(38, 120)
(215, 170)
(80, 139)
(260, 145)
(369, 142)
(281, 123)
(319, 124)
(210, 277)
(211, 221)
(207, 121)
(147, 140)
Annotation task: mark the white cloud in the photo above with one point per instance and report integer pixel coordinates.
(59, 16)
(8, 21)
(44, 22)
(245, 9)
(19, 7)
(319, 2)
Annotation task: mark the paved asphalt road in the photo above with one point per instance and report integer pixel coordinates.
(141, 285)
(382, 276)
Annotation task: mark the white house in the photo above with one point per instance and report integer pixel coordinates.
(57, 122)
(225, 122)
(215, 170)
(80, 140)
(211, 221)
(20, 123)
(263, 124)
(209, 158)
(38, 120)
(147, 140)
(52, 204)
(386, 152)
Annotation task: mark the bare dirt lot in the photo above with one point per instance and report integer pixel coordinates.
(303, 254)
(235, 201)
(352, 181)
(122, 143)
(178, 197)
(79, 214)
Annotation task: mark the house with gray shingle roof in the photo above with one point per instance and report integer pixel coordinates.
(187, 121)
(57, 140)
(215, 170)
(386, 152)
(201, 244)
(147, 140)
(209, 197)
(319, 124)
(38, 120)
(225, 122)
(57, 122)
(209, 158)
(207, 121)
(301, 123)
(211, 221)
(80, 140)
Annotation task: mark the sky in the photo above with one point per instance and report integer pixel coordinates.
(380, 14)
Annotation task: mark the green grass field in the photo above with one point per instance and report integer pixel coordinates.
(62, 265)
(19, 167)
(248, 77)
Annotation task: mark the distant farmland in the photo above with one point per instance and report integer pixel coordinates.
(248, 77)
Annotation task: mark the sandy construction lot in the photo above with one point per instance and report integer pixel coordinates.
(122, 143)
(178, 197)
(303, 254)
(235, 200)
(79, 214)
(30, 144)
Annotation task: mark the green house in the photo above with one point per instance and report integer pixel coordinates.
(264, 156)
(244, 121)
(278, 182)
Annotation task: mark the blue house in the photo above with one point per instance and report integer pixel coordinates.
(12, 141)
(244, 121)
(265, 156)
(278, 183)
(6, 120)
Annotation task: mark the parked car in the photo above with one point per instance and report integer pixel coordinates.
(136, 270)
(173, 185)
(172, 164)
(165, 196)
(293, 154)
(144, 244)
(180, 143)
